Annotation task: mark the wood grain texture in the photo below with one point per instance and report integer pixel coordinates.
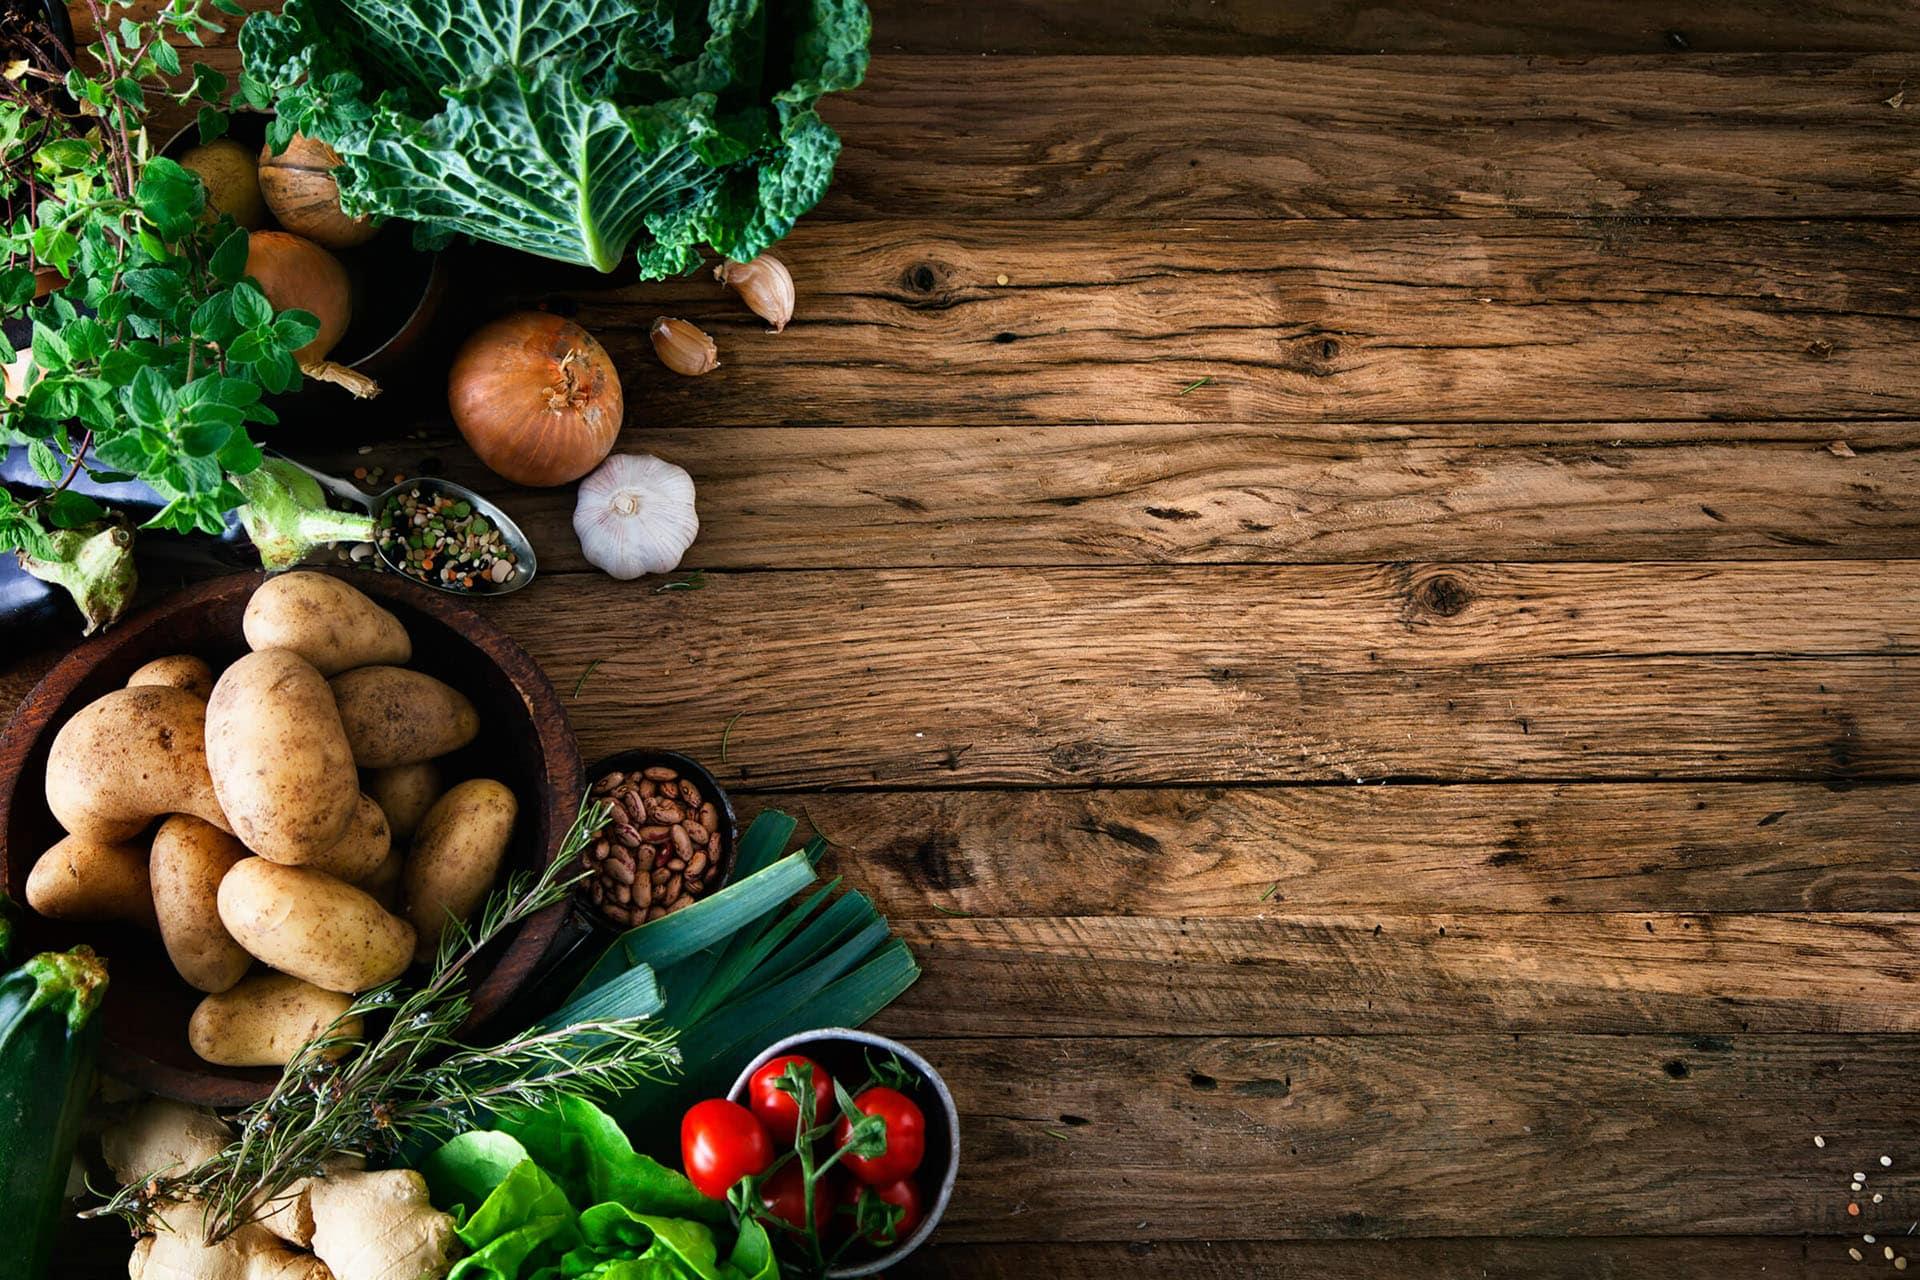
(1396, 1136)
(1616, 1258)
(1155, 139)
(1492, 320)
(817, 498)
(1368, 26)
(1326, 673)
(1375, 973)
(1255, 852)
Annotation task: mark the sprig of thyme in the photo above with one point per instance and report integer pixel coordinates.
(414, 1078)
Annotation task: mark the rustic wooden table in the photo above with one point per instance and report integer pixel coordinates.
(1348, 578)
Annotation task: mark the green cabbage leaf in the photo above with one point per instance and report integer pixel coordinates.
(578, 130)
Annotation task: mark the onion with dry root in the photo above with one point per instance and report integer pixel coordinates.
(536, 397)
(298, 185)
(293, 272)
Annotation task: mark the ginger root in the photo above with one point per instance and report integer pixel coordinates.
(359, 1225)
(379, 1226)
(252, 1253)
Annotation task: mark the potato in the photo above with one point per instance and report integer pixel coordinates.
(384, 882)
(126, 758)
(404, 793)
(280, 760)
(325, 621)
(361, 851)
(455, 856)
(190, 857)
(85, 879)
(395, 716)
(306, 923)
(177, 671)
(266, 1020)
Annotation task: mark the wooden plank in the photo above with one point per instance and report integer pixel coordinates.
(1394, 1136)
(1157, 139)
(1779, 1258)
(1376, 973)
(1250, 853)
(1350, 26)
(1488, 320)
(1360, 26)
(1225, 674)
(814, 498)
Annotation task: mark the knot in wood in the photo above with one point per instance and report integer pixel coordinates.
(1443, 595)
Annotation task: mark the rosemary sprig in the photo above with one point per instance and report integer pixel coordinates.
(413, 1079)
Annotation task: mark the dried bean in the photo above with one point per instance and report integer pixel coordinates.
(660, 773)
(608, 783)
(656, 833)
(649, 789)
(697, 865)
(654, 913)
(673, 887)
(620, 871)
(622, 894)
(664, 810)
(682, 842)
(625, 834)
(684, 902)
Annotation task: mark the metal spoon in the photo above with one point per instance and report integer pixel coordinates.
(525, 564)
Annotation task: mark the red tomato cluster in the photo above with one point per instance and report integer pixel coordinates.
(722, 1142)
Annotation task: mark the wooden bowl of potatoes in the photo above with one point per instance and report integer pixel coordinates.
(269, 792)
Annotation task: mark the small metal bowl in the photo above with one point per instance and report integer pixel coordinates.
(637, 758)
(842, 1051)
(517, 542)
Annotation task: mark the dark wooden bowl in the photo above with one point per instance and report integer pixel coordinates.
(524, 741)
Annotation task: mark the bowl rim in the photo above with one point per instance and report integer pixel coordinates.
(524, 948)
(901, 1248)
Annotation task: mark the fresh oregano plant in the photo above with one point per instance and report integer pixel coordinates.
(150, 350)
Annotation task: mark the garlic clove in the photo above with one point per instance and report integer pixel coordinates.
(635, 514)
(764, 284)
(683, 347)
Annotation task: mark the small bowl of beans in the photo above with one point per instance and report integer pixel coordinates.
(668, 845)
(447, 536)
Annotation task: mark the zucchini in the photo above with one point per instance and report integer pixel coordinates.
(49, 1035)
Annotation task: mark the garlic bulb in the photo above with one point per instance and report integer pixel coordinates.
(635, 515)
(764, 284)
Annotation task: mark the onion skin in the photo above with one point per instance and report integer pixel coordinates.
(536, 397)
(299, 187)
(295, 272)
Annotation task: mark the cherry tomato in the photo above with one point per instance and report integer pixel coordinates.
(906, 1136)
(721, 1143)
(905, 1193)
(777, 1110)
(785, 1196)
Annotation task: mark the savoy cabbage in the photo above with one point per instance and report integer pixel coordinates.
(572, 129)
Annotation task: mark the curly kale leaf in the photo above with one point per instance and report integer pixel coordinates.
(578, 130)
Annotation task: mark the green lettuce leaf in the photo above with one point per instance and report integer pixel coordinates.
(578, 130)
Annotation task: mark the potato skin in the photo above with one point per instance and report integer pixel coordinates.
(265, 1021)
(306, 923)
(383, 882)
(85, 879)
(176, 671)
(455, 856)
(128, 757)
(404, 793)
(396, 716)
(189, 859)
(360, 851)
(324, 620)
(280, 761)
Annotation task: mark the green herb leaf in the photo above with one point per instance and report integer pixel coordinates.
(250, 306)
(69, 510)
(45, 464)
(171, 196)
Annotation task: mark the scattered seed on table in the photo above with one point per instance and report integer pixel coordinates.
(1886, 1162)
(1855, 1254)
(1859, 1177)
(1819, 1141)
(1868, 1238)
(1853, 1210)
(1877, 1197)
(1853, 1186)
(1900, 1264)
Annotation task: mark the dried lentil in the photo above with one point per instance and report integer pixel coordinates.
(444, 542)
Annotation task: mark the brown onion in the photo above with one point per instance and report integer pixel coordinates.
(536, 397)
(295, 272)
(299, 187)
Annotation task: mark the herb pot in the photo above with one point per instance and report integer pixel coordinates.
(843, 1052)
